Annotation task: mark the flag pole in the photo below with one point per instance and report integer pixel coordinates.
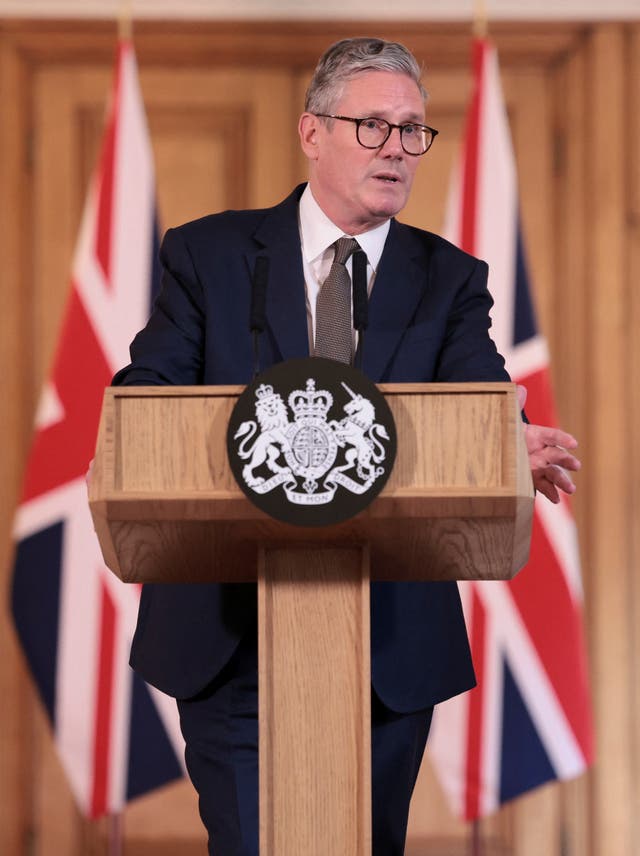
(479, 30)
(115, 820)
(480, 25)
(125, 21)
(475, 840)
(115, 836)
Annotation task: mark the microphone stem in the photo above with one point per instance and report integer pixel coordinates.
(256, 353)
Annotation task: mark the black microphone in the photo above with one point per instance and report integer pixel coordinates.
(257, 318)
(360, 299)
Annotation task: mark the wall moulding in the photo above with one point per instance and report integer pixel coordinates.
(426, 10)
(272, 43)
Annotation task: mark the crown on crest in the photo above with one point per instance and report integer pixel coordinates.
(309, 403)
(265, 394)
(265, 390)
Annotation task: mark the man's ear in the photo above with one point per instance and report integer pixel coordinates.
(308, 128)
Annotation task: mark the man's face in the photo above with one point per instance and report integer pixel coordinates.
(360, 188)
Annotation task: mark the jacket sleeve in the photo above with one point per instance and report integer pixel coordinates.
(468, 352)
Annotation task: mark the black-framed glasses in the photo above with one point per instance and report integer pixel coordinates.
(372, 133)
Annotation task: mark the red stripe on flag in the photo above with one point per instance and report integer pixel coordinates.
(553, 620)
(106, 172)
(471, 154)
(102, 739)
(541, 592)
(105, 202)
(540, 400)
(62, 451)
(473, 777)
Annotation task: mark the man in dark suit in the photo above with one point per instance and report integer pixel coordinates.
(363, 133)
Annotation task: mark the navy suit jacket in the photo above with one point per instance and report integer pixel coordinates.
(428, 321)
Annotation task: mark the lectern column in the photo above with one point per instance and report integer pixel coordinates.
(315, 697)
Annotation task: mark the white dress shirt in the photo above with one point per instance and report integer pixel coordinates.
(317, 236)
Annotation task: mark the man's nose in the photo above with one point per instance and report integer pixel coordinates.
(393, 144)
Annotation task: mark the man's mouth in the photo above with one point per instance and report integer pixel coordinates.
(387, 177)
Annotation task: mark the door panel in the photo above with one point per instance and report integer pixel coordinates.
(221, 139)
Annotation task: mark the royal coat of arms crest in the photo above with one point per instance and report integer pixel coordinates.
(305, 444)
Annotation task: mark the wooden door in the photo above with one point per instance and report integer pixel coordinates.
(224, 137)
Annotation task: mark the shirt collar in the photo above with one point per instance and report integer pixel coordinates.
(318, 232)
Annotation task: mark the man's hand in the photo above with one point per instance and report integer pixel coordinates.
(549, 456)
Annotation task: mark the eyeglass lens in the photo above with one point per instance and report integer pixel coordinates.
(374, 132)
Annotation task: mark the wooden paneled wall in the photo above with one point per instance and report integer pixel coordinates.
(573, 93)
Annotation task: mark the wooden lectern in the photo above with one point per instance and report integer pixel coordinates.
(458, 505)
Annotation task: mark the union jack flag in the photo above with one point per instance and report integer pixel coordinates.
(117, 738)
(529, 719)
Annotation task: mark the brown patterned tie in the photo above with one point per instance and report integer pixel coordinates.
(334, 334)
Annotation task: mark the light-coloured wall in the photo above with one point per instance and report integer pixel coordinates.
(336, 10)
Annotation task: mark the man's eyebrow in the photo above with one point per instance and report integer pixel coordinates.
(412, 119)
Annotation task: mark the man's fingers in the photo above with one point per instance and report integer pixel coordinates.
(554, 456)
(547, 489)
(560, 478)
(560, 457)
(550, 479)
(542, 435)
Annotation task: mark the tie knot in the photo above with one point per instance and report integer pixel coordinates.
(344, 248)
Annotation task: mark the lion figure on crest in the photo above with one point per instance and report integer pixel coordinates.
(267, 447)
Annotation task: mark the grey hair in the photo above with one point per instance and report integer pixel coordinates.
(349, 57)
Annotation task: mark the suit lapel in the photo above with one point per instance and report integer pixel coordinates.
(397, 291)
(278, 238)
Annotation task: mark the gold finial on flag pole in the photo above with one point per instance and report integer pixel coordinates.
(125, 20)
(480, 19)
